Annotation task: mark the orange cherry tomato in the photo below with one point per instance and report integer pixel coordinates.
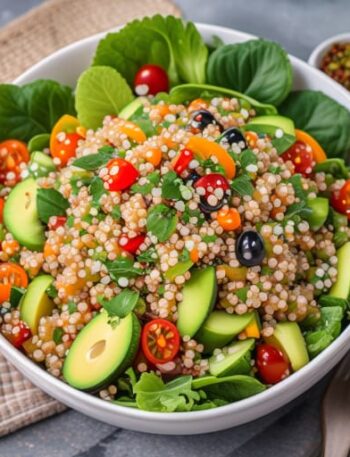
(132, 131)
(197, 104)
(64, 138)
(2, 203)
(318, 152)
(13, 153)
(229, 219)
(11, 274)
(340, 199)
(154, 156)
(160, 341)
(251, 139)
(121, 174)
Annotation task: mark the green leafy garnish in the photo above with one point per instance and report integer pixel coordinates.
(328, 300)
(188, 214)
(57, 335)
(242, 185)
(52, 291)
(100, 91)
(72, 307)
(15, 295)
(50, 202)
(122, 267)
(97, 189)
(145, 189)
(171, 184)
(93, 162)
(212, 166)
(247, 157)
(122, 304)
(169, 42)
(149, 256)
(209, 238)
(335, 167)
(297, 184)
(152, 394)
(33, 109)
(161, 221)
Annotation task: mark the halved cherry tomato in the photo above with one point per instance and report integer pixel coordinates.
(154, 156)
(160, 341)
(12, 154)
(272, 364)
(22, 334)
(318, 152)
(211, 182)
(198, 103)
(340, 199)
(151, 79)
(121, 174)
(132, 131)
(181, 162)
(131, 244)
(57, 221)
(11, 274)
(229, 219)
(2, 204)
(300, 154)
(251, 139)
(64, 138)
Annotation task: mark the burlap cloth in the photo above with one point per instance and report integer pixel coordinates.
(23, 43)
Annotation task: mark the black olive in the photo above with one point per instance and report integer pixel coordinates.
(191, 178)
(250, 250)
(207, 209)
(234, 136)
(201, 119)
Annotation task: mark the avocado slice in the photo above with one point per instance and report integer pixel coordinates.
(199, 296)
(41, 164)
(280, 122)
(39, 142)
(101, 352)
(319, 212)
(21, 216)
(130, 109)
(288, 337)
(341, 288)
(35, 303)
(235, 359)
(220, 328)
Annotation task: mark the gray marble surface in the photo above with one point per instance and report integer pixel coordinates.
(293, 431)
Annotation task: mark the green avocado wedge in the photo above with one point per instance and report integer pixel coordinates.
(234, 359)
(101, 352)
(220, 328)
(341, 288)
(35, 303)
(280, 122)
(199, 296)
(21, 216)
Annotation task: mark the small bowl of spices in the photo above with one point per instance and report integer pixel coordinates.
(332, 56)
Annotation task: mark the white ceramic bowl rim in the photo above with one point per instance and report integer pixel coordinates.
(320, 50)
(293, 383)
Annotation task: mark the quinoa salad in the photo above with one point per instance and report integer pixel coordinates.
(174, 232)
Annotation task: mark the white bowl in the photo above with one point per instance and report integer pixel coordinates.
(322, 49)
(65, 66)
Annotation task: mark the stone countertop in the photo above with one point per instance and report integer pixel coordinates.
(299, 25)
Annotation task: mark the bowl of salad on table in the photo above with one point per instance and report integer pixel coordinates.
(174, 226)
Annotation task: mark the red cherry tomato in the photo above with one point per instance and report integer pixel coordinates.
(151, 79)
(20, 336)
(2, 203)
(121, 174)
(341, 199)
(272, 364)
(160, 341)
(56, 221)
(210, 183)
(12, 154)
(64, 147)
(302, 157)
(131, 244)
(181, 162)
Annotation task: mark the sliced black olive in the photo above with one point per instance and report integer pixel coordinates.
(234, 136)
(201, 119)
(250, 249)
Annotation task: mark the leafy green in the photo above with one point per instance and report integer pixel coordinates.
(97, 189)
(297, 184)
(51, 291)
(171, 184)
(242, 185)
(149, 256)
(49, 203)
(116, 213)
(32, 109)
(328, 300)
(93, 162)
(16, 295)
(145, 189)
(161, 221)
(168, 42)
(72, 307)
(335, 167)
(122, 304)
(152, 394)
(187, 92)
(248, 66)
(100, 91)
(229, 388)
(57, 335)
(247, 157)
(323, 118)
(317, 341)
(39, 142)
(122, 267)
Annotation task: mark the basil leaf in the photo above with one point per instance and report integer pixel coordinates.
(171, 186)
(247, 157)
(247, 66)
(149, 256)
(297, 184)
(51, 291)
(145, 189)
(50, 202)
(72, 307)
(57, 335)
(16, 295)
(116, 213)
(298, 209)
(97, 189)
(32, 109)
(328, 300)
(100, 91)
(161, 221)
(323, 118)
(122, 304)
(122, 267)
(335, 167)
(92, 162)
(242, 185)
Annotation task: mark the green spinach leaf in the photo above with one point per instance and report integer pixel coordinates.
(50, 202)
(97, 189)
(161, 221)
(122, 304)
(122, 267)
(335, 167)
(92, 162)
(171, 184)
(242, 185)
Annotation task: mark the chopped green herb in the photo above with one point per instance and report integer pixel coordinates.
(122, 304)
(274, 169)
(184, 256)
(57, 335)
(52, 291)
(122, 267)
(93, 162)
(72, 307)
(16, 295)
(188, 214)
(97, 189)
(242, 293)
(296, 182)
(70, 221)
(161, 221)
(107, 149)
(50, 202)
(212, 166)
(209, 238)
(149, 256)
(242, 185)
(171, 186)
(145, 189)
(247, 157)
(161, 289)
(116, 213)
